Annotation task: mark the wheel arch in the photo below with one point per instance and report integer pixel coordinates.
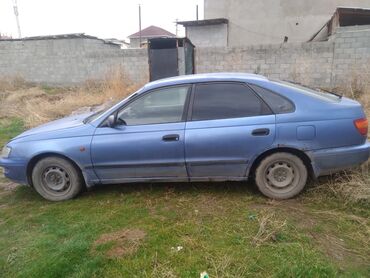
(31, 164)
(299, 153)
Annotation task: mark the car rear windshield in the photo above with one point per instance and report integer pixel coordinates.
(325, 95)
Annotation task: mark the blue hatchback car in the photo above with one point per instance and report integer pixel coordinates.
(209, 127)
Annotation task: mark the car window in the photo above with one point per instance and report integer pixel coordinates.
(277, 103)
(226, 100)
(318, 93)
(160, 106)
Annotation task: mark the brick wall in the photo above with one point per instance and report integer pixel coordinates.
(323, 64)
(351, 59)
(308, 63)
(70, 61)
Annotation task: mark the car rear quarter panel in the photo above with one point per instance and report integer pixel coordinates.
(315, 123)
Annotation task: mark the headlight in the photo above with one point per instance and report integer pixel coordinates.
(6, 152)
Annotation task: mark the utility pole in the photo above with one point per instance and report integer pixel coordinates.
(177, 26)
(15, 7)
(139, 26)
(197, 12)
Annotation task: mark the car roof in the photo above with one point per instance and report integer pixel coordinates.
(205, 77)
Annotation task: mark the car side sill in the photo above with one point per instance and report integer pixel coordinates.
(167, 179)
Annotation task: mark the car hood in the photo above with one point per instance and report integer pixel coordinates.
(58, 125)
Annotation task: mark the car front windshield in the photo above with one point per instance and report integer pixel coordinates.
(100, 112)
(95, 115)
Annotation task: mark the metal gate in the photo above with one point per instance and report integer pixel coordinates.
(170, 57)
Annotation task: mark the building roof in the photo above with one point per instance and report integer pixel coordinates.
(213, 21)
(4, 37)
(343, 16)
(56, 37)
(59, 37)
(152, 32)
(116, 41)
(349, 16)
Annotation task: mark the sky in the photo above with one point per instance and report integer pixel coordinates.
(100, 18)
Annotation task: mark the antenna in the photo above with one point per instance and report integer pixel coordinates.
(16, 13)
(139, 26)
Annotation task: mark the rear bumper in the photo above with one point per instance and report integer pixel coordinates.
(15, 170)
(328, 161)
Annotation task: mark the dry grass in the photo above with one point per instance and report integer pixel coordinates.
(354, 186)
(37, 105)
(125, 242)
(13, 83)
(350, 186)
(358, 85)
(269, 228)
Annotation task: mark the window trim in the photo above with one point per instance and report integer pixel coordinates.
(191, 102)
(275, 93)
(191, 106)
(134, 98)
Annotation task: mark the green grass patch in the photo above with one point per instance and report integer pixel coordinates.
(10, 128)
(54, 90)
(210, 221)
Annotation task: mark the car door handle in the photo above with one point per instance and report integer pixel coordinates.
(171, 137)
(261, 132)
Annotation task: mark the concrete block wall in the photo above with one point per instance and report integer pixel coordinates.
(70, 61)
(308, 63)
(326, 64)
(351, 58)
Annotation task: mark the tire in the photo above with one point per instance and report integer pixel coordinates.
(56, 179)
(281, 176)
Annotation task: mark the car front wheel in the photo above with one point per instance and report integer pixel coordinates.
(281, 176)
(56, 179)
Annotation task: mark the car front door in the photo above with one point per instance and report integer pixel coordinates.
(228, 124)
(147, 143)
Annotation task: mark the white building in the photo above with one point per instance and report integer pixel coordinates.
(248, 22)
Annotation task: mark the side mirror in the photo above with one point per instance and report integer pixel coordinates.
(111, 121)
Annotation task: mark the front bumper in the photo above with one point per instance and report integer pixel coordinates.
(328, 161)
(15, 169)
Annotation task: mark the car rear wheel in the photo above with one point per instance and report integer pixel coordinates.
(281, 176)
(56, 179)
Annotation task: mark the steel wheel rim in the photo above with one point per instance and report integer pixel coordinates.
(281, 176)
(56, 179)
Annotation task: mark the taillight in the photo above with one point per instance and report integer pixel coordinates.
(361, 125)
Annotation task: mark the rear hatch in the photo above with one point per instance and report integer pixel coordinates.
(355, 124)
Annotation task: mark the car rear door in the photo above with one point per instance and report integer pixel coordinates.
(228, 125)
(148, 141)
